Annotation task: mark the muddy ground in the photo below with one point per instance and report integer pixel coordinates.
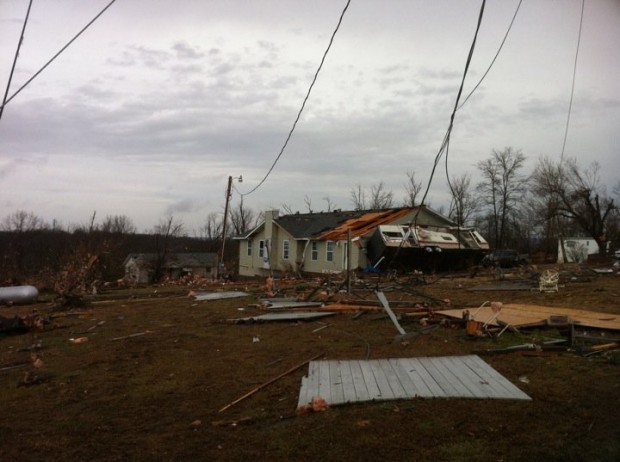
(156, 396)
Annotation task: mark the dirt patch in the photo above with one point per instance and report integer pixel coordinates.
(158, 366)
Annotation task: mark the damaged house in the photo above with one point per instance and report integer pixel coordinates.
(404, 238)
(140, 268)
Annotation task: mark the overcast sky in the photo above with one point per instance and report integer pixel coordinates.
(159, 101)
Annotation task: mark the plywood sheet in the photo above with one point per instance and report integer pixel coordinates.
(522, 315)
(340, 382)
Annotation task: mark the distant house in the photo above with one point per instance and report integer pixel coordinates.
(318, 243)
(577, 249)
(140, 268)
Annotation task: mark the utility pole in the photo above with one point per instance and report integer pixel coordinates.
(220, 266)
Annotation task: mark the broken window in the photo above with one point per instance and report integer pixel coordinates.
(285, 249)
(330, 251)
(315, 251)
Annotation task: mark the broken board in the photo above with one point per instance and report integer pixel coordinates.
(340, 382)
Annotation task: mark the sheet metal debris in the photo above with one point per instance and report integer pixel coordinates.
(341, 382)
(294, 316)
(219, 295)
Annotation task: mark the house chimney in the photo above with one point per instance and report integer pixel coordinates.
(270, 216)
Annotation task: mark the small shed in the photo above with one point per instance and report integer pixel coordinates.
(140, 268)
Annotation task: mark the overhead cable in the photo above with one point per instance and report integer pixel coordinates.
(494, 58)
(57, 54)
(19, 45)
(446, 139)
(331, 40)
(572, 90)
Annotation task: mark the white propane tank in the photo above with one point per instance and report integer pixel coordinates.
(18, 294)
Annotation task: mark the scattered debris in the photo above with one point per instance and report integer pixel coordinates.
(79, 340)
(340, 382)
(201, 296)
(139, 334)
(232, 423)
(292, 316)
(269, 382)
(317, 404)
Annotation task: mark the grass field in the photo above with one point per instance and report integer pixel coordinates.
(157, 395)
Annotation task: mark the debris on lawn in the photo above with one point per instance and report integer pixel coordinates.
(232, 423)
(24, 324)
(269, 382)
(317, 404)
(204, 296)
(79, 340)
(341, 382)
(139, 334)
(286, 316)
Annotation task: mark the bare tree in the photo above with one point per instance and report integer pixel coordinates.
(118, 224)
(330, 205)
(412, 190)
(576, 195)
(380, 198)
(21, 221)
(501, 189)
(358, 198)
(287, 209)
(463, 206)
(308, 203)
(243, 219)
(212, 228)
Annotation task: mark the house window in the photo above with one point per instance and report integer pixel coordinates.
(315, 251)
(330, 251)
(261, 248)
(285, 249)
(249, 248)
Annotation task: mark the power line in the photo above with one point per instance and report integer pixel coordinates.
(19, 45)
(57, 54)
(572, 90)
(446, 139)
(494, 58)
(331, 40)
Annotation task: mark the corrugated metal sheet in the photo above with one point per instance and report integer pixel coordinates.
(340, 382)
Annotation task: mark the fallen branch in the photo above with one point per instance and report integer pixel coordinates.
(260, 387)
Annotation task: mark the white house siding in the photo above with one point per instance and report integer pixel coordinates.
(577, 249)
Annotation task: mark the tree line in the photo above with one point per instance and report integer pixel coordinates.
(528, 211)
